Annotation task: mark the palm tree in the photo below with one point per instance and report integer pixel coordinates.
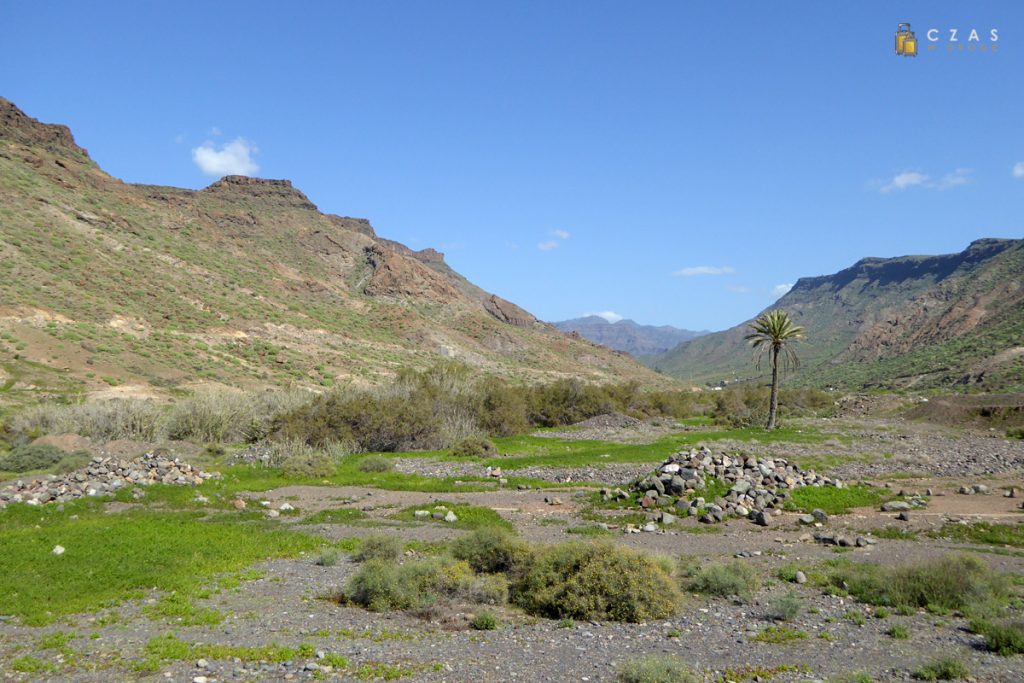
(772, 332)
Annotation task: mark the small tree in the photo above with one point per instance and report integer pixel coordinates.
(772, 333)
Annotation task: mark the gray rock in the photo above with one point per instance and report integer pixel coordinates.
(895, 506)
(801, 578)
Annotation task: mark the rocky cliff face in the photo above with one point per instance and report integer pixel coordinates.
(243, 282)
(912, 321)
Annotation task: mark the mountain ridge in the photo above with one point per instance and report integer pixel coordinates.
(628, 335)
(110, 285)
(907, 321)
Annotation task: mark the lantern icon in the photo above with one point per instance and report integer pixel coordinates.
(906, 41)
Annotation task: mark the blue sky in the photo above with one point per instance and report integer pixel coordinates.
(670, 162)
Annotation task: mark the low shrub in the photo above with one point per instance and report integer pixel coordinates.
(376, 463)
(474, 447)
(71, 462)
(779, 635)
(491, 550)
(1002, 638)
(944, 669)
(1015, 433)
(381, 585)
(954, 582)
(33, 457)
(379, 547)
(488, 589)
(786, 607)
(898, 632)
(307, 463)
(595, 581)
(735, 579)
(656, 669)
(327, 558)
(853, 677)
(484, 621)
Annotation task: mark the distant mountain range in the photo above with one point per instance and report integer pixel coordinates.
(133, 289)
(626, 335)
(907, 322)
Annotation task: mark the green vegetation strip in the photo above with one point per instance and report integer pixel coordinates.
(983, 532)
(836, 501)
(469, 516)
(109, 558)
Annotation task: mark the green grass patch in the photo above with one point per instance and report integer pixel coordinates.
(111, 558)
(28, 664)
(656, 669)
(894, 533)
(943, 669)
(898, 632)
(336, 516)
(957, 582)
(469, 516)
(1002, 638)
(835, 501)
(180, 609)
(779, 635)
(588, 530)
(987, 533)
(169, 648)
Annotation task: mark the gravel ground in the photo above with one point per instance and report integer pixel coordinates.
(283, 607)
(288, 605)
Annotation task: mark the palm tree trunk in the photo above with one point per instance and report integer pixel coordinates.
(774, 404)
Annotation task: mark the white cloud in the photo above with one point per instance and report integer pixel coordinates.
(548, 246)
(1018, 169)
(902, 181)
(738, 289)
(233, 158)
(561, 234)
(960, 176)
(215, 131)
(779, 290)
(690, 271)
(610, 316)
(908, 179)
(179, 138)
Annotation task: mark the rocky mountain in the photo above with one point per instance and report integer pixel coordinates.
(912, 321)
(626, 335)
(138, 288)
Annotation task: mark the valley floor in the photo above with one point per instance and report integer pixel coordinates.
(274, 619)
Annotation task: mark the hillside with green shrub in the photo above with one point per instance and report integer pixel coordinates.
(138, 289)
(909, 322)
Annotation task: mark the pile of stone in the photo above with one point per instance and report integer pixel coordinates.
(757, 485)
(104, 476)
